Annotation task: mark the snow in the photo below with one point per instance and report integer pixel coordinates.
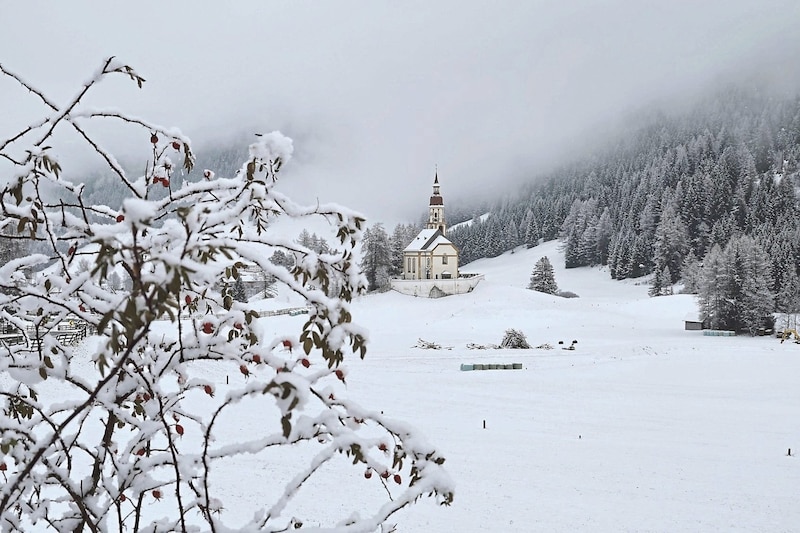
(423, 241)
(643, 427)
(420, 240)
(467, 223)
(138, 211)
(272, 146)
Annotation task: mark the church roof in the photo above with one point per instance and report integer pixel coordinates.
(427, 239)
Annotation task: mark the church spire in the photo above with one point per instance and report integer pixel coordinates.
(436, 207)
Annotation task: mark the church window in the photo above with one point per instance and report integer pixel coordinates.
(444, 259)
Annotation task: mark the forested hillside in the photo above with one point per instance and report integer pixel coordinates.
(669, 192)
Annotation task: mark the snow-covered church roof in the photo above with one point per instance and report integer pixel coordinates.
(427, 239)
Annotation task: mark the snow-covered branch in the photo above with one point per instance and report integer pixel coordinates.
(114, 414)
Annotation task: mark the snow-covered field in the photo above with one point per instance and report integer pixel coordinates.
(644, 427)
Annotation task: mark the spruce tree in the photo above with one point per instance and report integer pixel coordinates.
(691, 274)
(712, 296)
(238, 291)
(671, 244)
(661, 285)
(543, 278)
(735, 289)
(787, 299)
(402, 235)
(11, 246)
(114, 281)
(377, 257)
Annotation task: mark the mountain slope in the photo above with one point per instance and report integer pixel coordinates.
(667, 192)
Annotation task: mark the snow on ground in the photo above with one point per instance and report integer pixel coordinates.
(644, 427)
(482, 218)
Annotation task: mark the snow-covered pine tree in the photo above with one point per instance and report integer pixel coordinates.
(396, 246)
(238, 291)
(312, 241)
(671, 243)
(735, 290)
(114, 281)
(757, 300)
(529, 229)
(493, 237)
(319, 244)
(691, 274)
(572, 233)
(543, 277)
(266, 285)
(604, 233)
(12, 245)
(712, 296)
(660, 285)
(125, 432)
(510, 238)
(376, 260)
(284, 259)
(305, 239)
(787, 300)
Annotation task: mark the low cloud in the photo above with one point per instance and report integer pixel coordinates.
(376, 95)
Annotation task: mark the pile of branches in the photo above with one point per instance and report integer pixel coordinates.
(427, 345)
(514, 339)
(474, 346)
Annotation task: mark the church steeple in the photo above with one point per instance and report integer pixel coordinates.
(436, 208)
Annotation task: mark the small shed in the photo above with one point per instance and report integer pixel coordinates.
(692, 322)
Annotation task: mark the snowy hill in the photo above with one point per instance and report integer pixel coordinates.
(501, 301)
(467, 223)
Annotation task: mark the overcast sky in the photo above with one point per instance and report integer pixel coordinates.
(376, 94)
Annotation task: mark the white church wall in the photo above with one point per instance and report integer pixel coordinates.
(428, 288)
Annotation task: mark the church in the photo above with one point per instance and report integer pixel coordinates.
(430, 261)
(431, 255)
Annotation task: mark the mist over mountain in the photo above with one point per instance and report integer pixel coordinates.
(726, 165)
(377, 95)
(729, 166)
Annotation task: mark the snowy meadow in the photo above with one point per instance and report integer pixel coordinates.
(644, 427)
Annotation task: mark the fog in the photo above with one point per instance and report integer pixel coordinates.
(377, 95)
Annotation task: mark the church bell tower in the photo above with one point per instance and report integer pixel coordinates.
(436, 208)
